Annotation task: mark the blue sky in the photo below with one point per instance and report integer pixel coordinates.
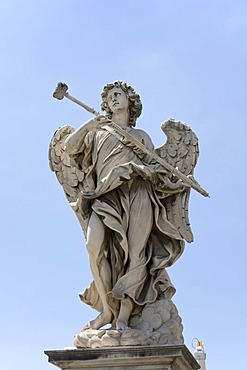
(187, 60)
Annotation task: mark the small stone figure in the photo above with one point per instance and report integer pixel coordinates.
(134, 214)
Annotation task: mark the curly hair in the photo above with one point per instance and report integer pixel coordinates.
(135, 104)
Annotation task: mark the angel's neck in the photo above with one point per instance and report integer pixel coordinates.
(121, 118)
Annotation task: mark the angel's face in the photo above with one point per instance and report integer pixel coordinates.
(117, 100)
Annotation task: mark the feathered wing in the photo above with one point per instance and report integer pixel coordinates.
(181, 151)
(69, 175)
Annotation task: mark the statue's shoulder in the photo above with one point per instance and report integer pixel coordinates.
(140, 132)
(142, 135)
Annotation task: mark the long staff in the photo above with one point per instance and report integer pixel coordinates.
(61, 92)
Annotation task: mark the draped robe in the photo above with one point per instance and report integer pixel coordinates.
(139, 241)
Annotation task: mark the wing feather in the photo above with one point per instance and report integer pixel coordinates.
(69, 175)
(181, 151)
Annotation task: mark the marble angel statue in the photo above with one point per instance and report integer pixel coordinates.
(133, 211)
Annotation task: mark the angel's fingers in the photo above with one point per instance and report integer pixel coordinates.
(101, 118)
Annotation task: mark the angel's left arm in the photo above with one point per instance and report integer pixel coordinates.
(163, 180)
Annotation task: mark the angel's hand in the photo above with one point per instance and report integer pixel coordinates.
(178, 185)
(183, 184)
(167, 184)
(191, 178)
(96, 123)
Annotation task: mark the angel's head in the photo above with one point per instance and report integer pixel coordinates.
(133, 101)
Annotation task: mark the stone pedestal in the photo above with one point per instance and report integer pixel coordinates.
(166, 357)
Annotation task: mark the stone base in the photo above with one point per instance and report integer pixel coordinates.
(157, 324)
(125, 358)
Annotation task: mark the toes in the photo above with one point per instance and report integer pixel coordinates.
(121, 325)
(101, 320)
(87, 326)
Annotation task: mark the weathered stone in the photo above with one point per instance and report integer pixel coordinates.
(158, 323)
(125, 358)
(132, 203)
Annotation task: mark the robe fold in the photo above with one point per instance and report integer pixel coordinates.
(140, 242)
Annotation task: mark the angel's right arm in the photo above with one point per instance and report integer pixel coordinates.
(74, 141)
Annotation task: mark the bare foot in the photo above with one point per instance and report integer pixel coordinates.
(121, 325)
(124, 314)
(102, 319)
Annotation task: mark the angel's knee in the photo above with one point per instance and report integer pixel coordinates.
(91, 246)
(95, 236)
(95, 249)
